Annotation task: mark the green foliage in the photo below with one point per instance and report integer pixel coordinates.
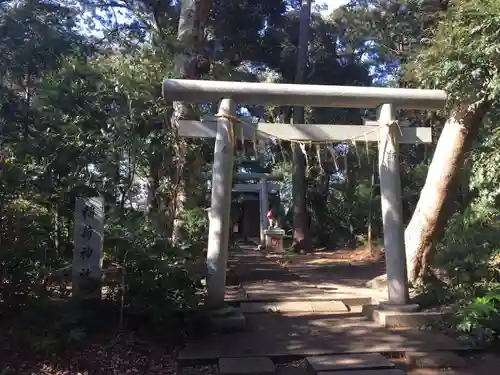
(24, 254)
(77, 120)
(160, 279)
(478, 318)
(195, 225)
(470, 246)
(388, 34)
(485, 181)
(462, 55)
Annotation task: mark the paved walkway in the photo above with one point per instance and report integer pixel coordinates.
(293, 314)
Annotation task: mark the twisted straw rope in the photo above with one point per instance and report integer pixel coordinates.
(234, 119)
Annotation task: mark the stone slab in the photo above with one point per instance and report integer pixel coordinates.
(396, 319)
(443, 359)
(365, 372)
(328, 306)
(278, 297)
(235, 294)
(291, 370)
(267, 291)
(243, 366)
(225, 311)
(298, 306)
(258, 307)
(294, 306)
(349, 362)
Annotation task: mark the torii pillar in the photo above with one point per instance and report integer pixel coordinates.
(219, 222)
(392, 207)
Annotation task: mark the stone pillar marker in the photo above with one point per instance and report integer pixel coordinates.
(264, 207)
(88, 236)
(219, 225)
(392, 207)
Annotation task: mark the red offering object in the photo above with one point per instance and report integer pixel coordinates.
(275, 241)
(269, 214)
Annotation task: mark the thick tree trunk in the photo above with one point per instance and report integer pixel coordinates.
(301, 239)
(189, 64)
(433, 207)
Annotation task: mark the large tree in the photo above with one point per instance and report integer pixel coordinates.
(462, 58)
(190, 63)
(301, 240)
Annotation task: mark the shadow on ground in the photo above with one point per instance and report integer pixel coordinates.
(347, 267)
(299, 334)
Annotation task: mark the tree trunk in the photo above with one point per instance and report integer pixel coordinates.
(189, 63)
(436, 198)
(301, 239)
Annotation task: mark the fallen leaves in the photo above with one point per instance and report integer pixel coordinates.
(115, 354)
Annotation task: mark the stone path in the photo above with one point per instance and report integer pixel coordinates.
(349, 362)
(263, 279)
(298, 306)
(299, 315)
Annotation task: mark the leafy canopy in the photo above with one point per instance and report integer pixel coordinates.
(463, 55)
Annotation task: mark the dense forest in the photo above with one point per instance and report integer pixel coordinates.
(82, 114)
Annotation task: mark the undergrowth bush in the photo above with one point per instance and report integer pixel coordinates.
(26, 252)
(160, 279)
(148, 283)
(195, 227)
(469, 255)
(469, 252)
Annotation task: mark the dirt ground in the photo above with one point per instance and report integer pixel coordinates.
(108, 354)
(477, 364)
(323, 256)
(351, 267)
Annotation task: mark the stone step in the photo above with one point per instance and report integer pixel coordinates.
(299, 306)
(246, 366)
(365, 372)
(349, 362)
(348, 299)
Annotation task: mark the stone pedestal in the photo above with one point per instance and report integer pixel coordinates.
(274, 239)
(403, 308)
(226, 319)
(401, 316)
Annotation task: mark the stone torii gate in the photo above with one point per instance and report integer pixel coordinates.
(226, 129)
(263, 188)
